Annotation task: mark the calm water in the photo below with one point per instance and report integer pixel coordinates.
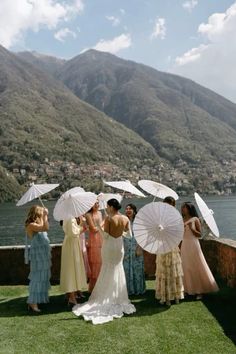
(12, 218)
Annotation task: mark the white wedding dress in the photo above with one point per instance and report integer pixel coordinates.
(109, 298)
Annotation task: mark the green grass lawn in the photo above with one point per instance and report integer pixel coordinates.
(204, 327)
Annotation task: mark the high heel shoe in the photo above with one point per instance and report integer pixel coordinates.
(199, 297)
(79, 295)
(71, 303)
(33, 309)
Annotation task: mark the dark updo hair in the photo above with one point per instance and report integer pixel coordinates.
(169, 200)
(114, 203)
(191, 209)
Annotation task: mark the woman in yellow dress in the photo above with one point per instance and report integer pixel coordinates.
(73, 275)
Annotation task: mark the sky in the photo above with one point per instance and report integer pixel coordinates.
(192, 38)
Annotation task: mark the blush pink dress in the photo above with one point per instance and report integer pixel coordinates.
(198, 278)
(94, 251)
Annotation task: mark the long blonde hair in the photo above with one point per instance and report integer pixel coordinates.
(35, 212)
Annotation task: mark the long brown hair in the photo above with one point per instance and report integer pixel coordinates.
(191, 209)
(35, 212)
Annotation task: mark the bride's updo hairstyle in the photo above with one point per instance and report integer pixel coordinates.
(114, 203)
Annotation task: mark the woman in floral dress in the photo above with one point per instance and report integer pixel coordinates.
(169, 273)
(133, 259)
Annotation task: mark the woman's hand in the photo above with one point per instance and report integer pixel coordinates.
(191, 226)
(45, 211)
(138, 251)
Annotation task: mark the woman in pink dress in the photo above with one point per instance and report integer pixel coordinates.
(198, 278)
(93, 218)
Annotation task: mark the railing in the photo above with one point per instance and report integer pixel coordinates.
(220, 255)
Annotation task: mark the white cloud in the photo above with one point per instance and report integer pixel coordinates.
(169, 59)
(78, 5)
(19, 16)
(159, 30)
(189, 5)
(122, 11)
(114, 20)
(213, 64)
(114, 45)
(63, 33)
(191, 56)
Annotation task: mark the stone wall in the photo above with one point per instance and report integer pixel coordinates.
(221, 258)
(220, 255)
(13, 271)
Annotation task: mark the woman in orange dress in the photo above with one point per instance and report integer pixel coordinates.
(93, 218)
(198, 278)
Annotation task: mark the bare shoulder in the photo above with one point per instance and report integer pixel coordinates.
(125, 218)
(30, 229)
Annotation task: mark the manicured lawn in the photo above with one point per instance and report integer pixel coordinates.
(201, 327)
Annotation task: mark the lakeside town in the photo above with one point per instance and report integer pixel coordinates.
(183, 177)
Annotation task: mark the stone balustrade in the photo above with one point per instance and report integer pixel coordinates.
(220, 255)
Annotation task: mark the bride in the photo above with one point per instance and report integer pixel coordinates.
(109, 298)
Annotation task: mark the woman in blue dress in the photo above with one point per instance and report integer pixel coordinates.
(133, 259)
(36, 226)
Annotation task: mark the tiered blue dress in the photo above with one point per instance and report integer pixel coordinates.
(40, 272)
(133, 267)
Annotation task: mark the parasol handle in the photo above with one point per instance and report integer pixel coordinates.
(104, 204)
(160, 227)
(41, 202)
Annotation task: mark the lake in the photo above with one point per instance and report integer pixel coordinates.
(12, 218)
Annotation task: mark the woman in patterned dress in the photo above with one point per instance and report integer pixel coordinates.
(133, 258)
(169, 273)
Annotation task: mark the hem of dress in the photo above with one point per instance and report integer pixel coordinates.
(106, 313)
(202, 292)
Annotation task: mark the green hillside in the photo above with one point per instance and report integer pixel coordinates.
(178, 117)
(43, 62)
(46, 131)
(191, 128)
(188, 132)
(9, 187)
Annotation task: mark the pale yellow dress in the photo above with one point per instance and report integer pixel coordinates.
(169, 276)
(73, 275)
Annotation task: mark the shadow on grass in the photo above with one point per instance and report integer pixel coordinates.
(146, 305)
(222, 306)
(18, 307)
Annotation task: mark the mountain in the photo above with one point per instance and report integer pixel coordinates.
(49, 134)
(192, 130)
(181, 119)
(43, 62)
